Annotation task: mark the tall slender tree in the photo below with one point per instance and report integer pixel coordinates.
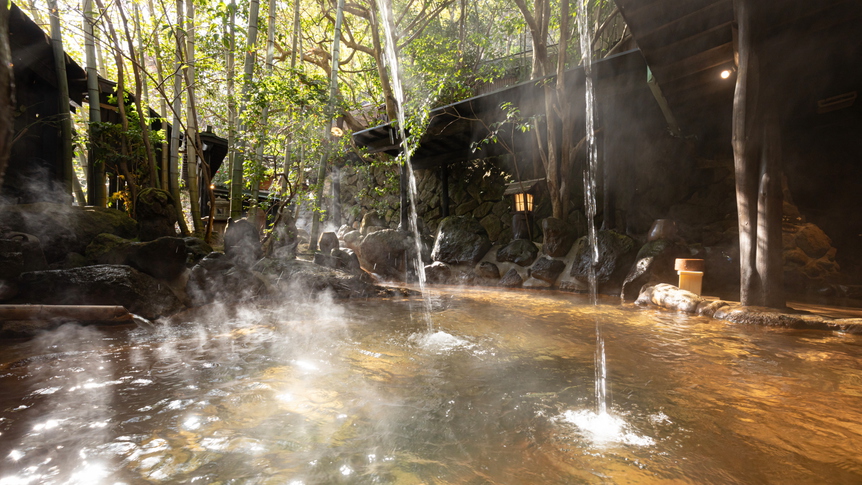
(96, 190)
(139, 106)
(236, 183)
(63, 111)
(192, 145)
(163, 107)
(123, 166)
(330, 110)
(173, 160)
(230, 35)
(264, 115)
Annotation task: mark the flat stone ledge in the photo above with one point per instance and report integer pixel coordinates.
(673, 298)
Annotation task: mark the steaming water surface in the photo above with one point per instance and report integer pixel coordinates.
(500, 392)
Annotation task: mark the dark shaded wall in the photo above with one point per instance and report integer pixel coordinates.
(823, 165)
(645, 170)
(34, 173)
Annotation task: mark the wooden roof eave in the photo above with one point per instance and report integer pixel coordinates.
(473, 114)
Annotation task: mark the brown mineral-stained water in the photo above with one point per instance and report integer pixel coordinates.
(501, 392)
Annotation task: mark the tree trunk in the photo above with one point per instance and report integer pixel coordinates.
(248, 75)
(173, 160)
(264, 115)
(192, 136)
(382, 72)
(7, 90)
(142, 58)
(76, 184)
(121, 106)
(102, 66)
(142, 114)
(231, 111)
(96, 191)
(770, 247)
(294, 54)
(64, 115)
(756, 141)
(330, 111)
(163, 109)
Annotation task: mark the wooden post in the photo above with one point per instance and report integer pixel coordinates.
(404, 221)
(444, 190)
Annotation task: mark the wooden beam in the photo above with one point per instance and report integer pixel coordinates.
(652, 17)
(698, 79)
(692, 45)
(715, 14)
(717, 56)
(695, 96)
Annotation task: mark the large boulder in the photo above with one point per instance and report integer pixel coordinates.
(385, 253)
(218, 278)
(438, 272)
(156, 214)
(283, 241)
(20, 253)
(196, 250)
(558, 237)
(547, 269)
(163, 258)
(460, 239)
(346, 260)
(488, 270)
(809, 258)
(298, 277)
(654, 264)
(520, 251)
(616, 254)
(100, 285)
(352, 240)
(64, 229)
(242, 242)
(512, 279)
(327, 242)
(372, 222)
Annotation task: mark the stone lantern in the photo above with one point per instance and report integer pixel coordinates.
(523, 194)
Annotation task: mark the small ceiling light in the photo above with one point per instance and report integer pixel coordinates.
(725, 74)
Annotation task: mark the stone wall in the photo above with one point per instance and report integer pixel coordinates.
(475, 189)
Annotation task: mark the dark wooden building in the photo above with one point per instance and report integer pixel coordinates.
(35, 171)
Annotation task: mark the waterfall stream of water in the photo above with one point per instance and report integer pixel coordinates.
(398, 89)
(590, 197)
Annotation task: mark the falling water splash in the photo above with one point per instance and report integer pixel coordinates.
(395, 75)
(590, 197)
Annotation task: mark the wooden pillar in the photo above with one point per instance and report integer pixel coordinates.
(444, 190)
(404, 223)
(610, 183)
